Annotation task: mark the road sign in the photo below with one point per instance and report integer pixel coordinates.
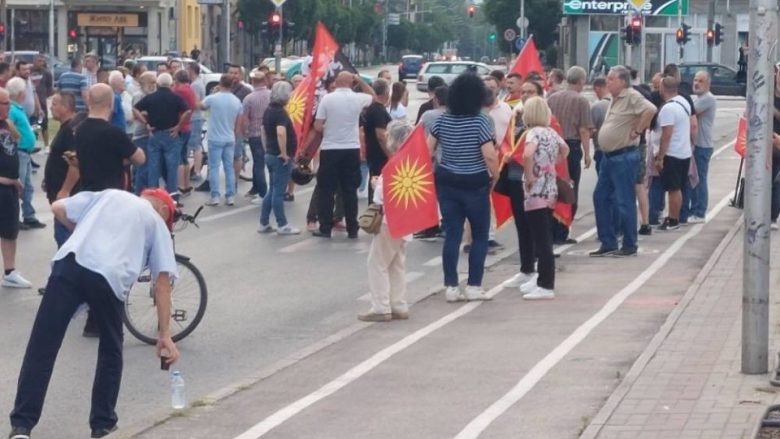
(509, 34)
(393, 19)
(278, 3)
(522, 22)
(519, 43)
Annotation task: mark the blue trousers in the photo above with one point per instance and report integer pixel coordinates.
(615, 189)
(695, 199)
(25, 176)
(457, 206)
(274, 200)
(69, 286)
(259, 184)
(164, 151)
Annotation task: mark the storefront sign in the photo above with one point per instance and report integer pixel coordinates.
(108, 20)
(617, 7)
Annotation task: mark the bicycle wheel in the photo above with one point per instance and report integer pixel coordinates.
(188, 304)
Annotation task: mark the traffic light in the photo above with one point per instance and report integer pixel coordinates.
(718, 34)
(276, 20)
(288, 27)
(627, 32)
(471, 10)
(73, 35)
(710, 37)
(492, 37)
(2, 30)
(636, 31)
(683, 34)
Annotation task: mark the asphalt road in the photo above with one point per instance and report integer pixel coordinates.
(269, 298)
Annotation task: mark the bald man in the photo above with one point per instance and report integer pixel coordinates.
(337, 119)
(102, 153)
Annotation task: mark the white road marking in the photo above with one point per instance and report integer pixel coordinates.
(433, 262)
(298, 246)
(724, 147)
(530, 379)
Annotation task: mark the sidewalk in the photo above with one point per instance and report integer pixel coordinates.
(687, 383)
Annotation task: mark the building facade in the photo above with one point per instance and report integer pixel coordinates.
(591, 33)
(110, 28)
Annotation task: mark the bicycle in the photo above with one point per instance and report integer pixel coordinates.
(189, 296)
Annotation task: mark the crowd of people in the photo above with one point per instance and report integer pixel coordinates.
(133, 130)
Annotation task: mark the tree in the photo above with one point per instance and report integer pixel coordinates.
(543, 16)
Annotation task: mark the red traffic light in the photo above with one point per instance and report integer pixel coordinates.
(636, 22)
(73, 34)
(471, 11)
(276, 18)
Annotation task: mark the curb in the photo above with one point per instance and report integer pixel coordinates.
(144, 426)
(609, 407)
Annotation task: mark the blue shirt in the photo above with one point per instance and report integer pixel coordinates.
(22, 124)
(139, 238)
(224, 109)
(460, 140)
(118, 115)
(74, 83)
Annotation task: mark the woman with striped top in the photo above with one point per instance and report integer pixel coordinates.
(465, 174)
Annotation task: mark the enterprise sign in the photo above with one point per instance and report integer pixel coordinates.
(618, 7)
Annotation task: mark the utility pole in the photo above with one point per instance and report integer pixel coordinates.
(4, 14)
(710, 25)
(755, 271)
(51, 33)
(522, 20)
(278, 51)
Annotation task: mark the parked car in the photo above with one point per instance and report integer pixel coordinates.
(448, 71)
(410, 66)
(211, 79)
(289, 66)
(723, 79)
(28, 55)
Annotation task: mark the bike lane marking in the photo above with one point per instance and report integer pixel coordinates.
(478, 425)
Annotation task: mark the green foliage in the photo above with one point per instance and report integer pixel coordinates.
(543, 16)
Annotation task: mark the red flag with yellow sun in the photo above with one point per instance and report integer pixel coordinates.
(408, 190)
(299, 106)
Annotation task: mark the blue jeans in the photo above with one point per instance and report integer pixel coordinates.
(280, 174)
(197, 130)
(222, 152)
(259, 184)
(164, 150)
(364, 178)
(141, 172)
(61, 233)
(695, 199)
(25, 176)
(456, 206)
(657, 201)
(615, 187)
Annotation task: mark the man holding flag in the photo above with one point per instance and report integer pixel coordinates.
(338, 115)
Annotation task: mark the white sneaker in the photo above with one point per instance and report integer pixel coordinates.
(519, 280)
(15, 280)
(230, 201)
(257, 200)
(475, 294)
(213, 201)
(530, 285)
(288, 230)
(539, 293)
(693, 219)
(265, 228)
(774, 226)
(453, 294)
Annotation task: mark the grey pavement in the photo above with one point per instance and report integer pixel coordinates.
(281, 324)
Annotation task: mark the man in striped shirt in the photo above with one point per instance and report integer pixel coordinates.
(76, 83)
(90, 69)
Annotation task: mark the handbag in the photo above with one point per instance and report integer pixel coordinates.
(371, 219)
(503, 184)
(565, 191)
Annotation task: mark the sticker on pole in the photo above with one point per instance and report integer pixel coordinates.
(509, 34)
(278, 3)
(519, 43)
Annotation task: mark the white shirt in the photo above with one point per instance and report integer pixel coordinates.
(398, 113)
(117, 235)
(501, 114)
(341, 112)
(677, 113)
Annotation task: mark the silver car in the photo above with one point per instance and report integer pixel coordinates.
(448, 71)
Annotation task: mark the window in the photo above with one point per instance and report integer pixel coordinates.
(457, 69)
(722, 74)
(437, 68)
(483, 70)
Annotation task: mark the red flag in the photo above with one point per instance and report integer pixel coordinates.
(528, 60)
(300, 105)
(502, 205)
(741, 144)
(407, 188)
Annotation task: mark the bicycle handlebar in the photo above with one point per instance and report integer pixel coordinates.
(181, 216)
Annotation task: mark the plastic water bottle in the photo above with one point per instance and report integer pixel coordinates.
(178, 398)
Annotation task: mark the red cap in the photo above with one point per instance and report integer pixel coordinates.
(165, 197)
